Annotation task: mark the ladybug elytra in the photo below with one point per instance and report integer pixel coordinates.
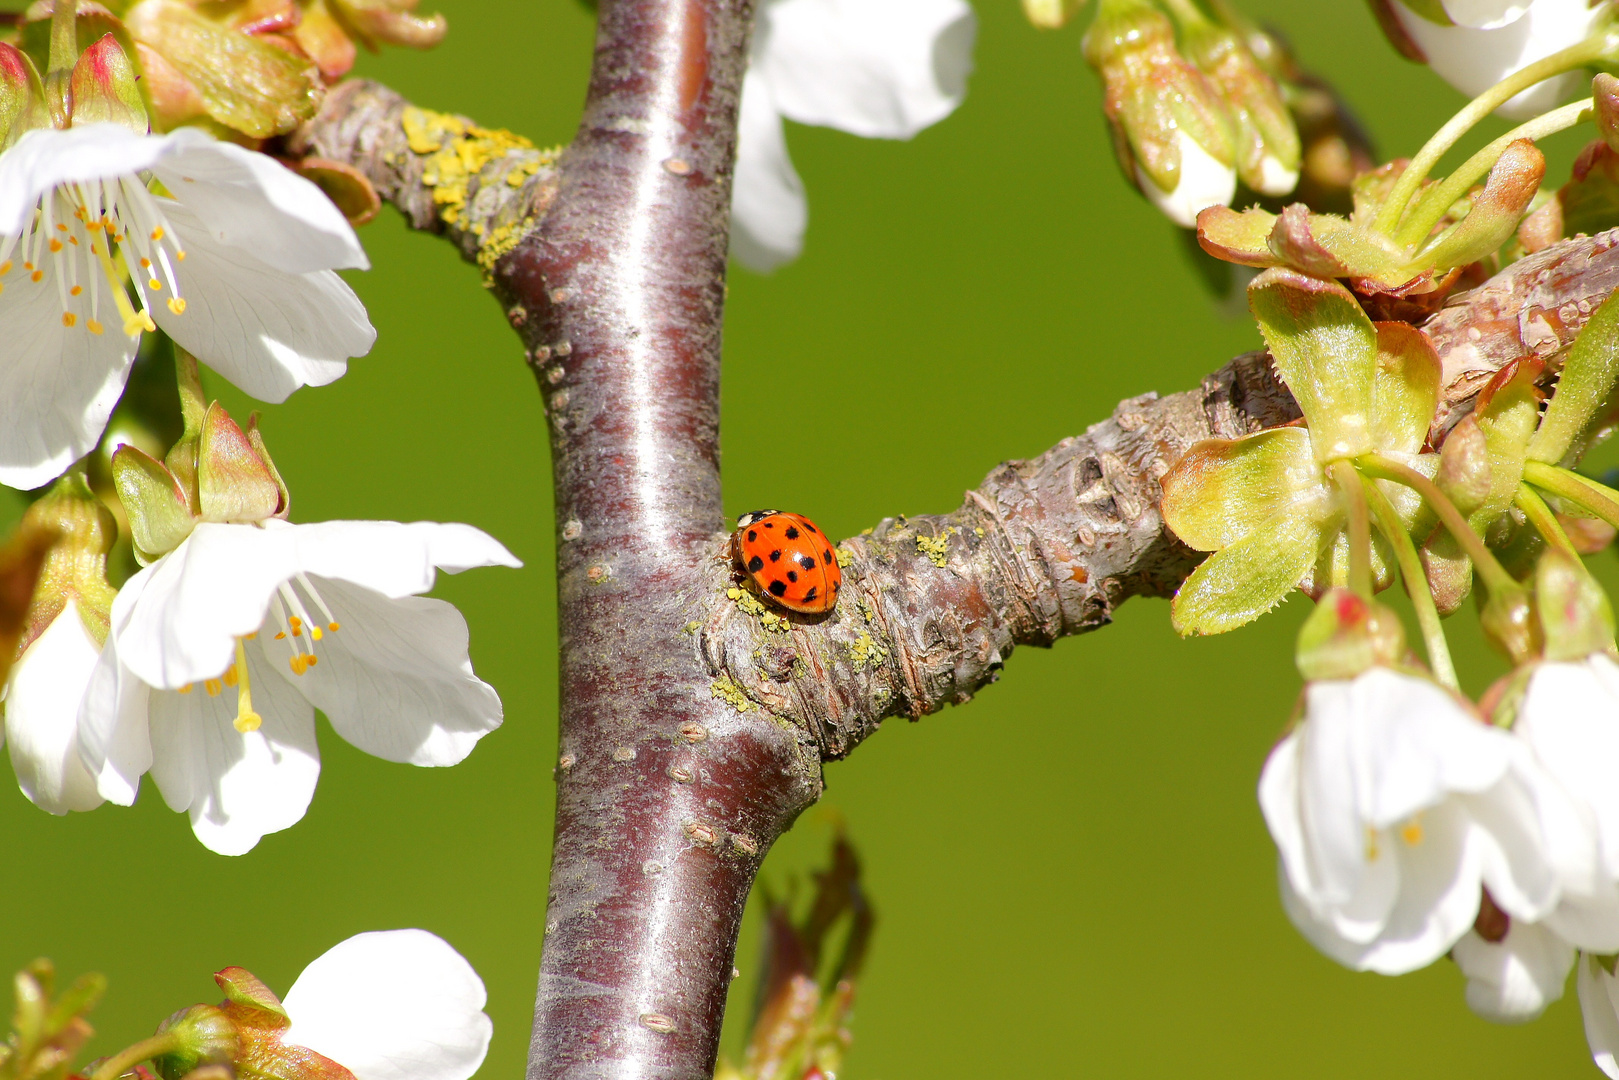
(789, 559)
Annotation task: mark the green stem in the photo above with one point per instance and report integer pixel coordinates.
(1599, 499)
(1416, 586)
(156, 1046)
(1388, 218)
(1439, 199)
(1495, 575)
(64, 37)
(1360, 528)
(1187, 15)
(1541, 517)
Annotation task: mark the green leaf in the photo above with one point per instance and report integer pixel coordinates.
(1237, 237)
(1236, 585)
(1325, 350)
(1507, 409)
(1587, 380)
(1222, 489)
(1405, 388)
(159, 518)
(1493, 216)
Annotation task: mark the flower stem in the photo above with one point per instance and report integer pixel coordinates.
(1541, 517)
(1600, 499)
(1388, 218)
(1416, 585)
(145, 1050)
(1360, 528)
(1433, 205)
(64, 38)
(1495, 575)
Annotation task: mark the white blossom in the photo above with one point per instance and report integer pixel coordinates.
(221, 651)
(42, 697)
(233, 258)
(1513, 980)
(882, 69)
(1491, 39)
(392, 1005)
(1391, 805)
(1599, 1005)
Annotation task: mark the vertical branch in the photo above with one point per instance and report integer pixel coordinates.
(667, 798)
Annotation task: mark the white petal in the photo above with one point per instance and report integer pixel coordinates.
(46, 157)
(1472, 60)
(1570, 719)
(1317, 931)
(1276, 179)
(1204, 182)
(266, 330)
(395, 680)
(1439, 894)
(877, 68)
(1590, 921)
(392, 558)
(1485, 14)
(42, 715)
(237, 786)
(768, 212)
(1515, 980)
(58, 384)
(392, 1005)
(1598, 1006)
(249, 201)
(114, 738)
(1515, 861)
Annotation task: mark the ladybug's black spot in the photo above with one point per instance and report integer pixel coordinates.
(792, 575)
(770, 524)
(775, 556)
(826, 556)
(756, 564)
(807, 562)
(809, 596)
(836, 585)
(792, 533)
(753, 536)
(808, 526)
(777, 588)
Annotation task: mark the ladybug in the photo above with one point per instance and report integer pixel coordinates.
(789, 559)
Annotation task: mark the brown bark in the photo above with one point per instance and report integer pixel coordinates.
(694, 720)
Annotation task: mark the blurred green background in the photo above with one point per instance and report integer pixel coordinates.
(1072, 874)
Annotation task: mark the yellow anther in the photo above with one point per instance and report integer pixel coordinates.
(246, 719)
(177, 305)
(230, 675)
(27, 266)
(37, 276)
(154, 284)
(212, 686)
(76, 290)
(56, 245)
(94, 327)
(311, 660)
(68, 318)
(280, 635)
(334, 627)
(5, 267)
(157, 234)
(314, 633)
(298, 664)
(61, 227)
(93, 226)
(1411, 833)
(186, 689)
(179, 256)
(146, 264)
(74, 240)
(250, 637)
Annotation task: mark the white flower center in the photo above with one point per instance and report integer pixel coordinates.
(93, 235)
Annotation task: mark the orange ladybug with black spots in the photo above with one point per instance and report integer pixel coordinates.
(788, 559)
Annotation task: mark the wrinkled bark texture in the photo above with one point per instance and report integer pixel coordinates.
(694, 720)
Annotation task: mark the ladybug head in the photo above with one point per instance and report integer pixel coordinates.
(753, 517)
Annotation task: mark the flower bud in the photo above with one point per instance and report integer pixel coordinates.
(1266, 142)
(1345, 635)
(1051, 14)
(391, 21)
(1576, 619)
(1171, 128)
(323, 40)
(202, 1035)
(22, 96)
(1464, 466)
(1508, 621)
(76, 568)
(160, 516)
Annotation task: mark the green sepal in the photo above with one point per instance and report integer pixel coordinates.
(1347, 634)
(1605, 106)
(1507, 410)
(233, 482)
(248, 999)
(1588, 378)
(1576, 618)
(256, 439)
(1241, 582)
(105, 89)
(22, 96)
(1221, 490)
(1493, 216)
(1238, 236)
(76, 567)
(1325, 349)
(203, 1034)
(159, 517)
(1508, 620)
(1590, 199)
(391, 22)
(1261, 125)
(1464, 466)
(260, 1021)
(1405, 388)
(92, 22)
(245, 84)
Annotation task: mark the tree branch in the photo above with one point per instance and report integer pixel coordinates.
(694, 719)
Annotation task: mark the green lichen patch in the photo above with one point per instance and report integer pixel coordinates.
(936, 549)
(845, 556)
(867, 612)
(749, 604)
(863, 652)
(732, 694)
(691, 627)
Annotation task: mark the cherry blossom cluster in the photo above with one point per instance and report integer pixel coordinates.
(1412, 821)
